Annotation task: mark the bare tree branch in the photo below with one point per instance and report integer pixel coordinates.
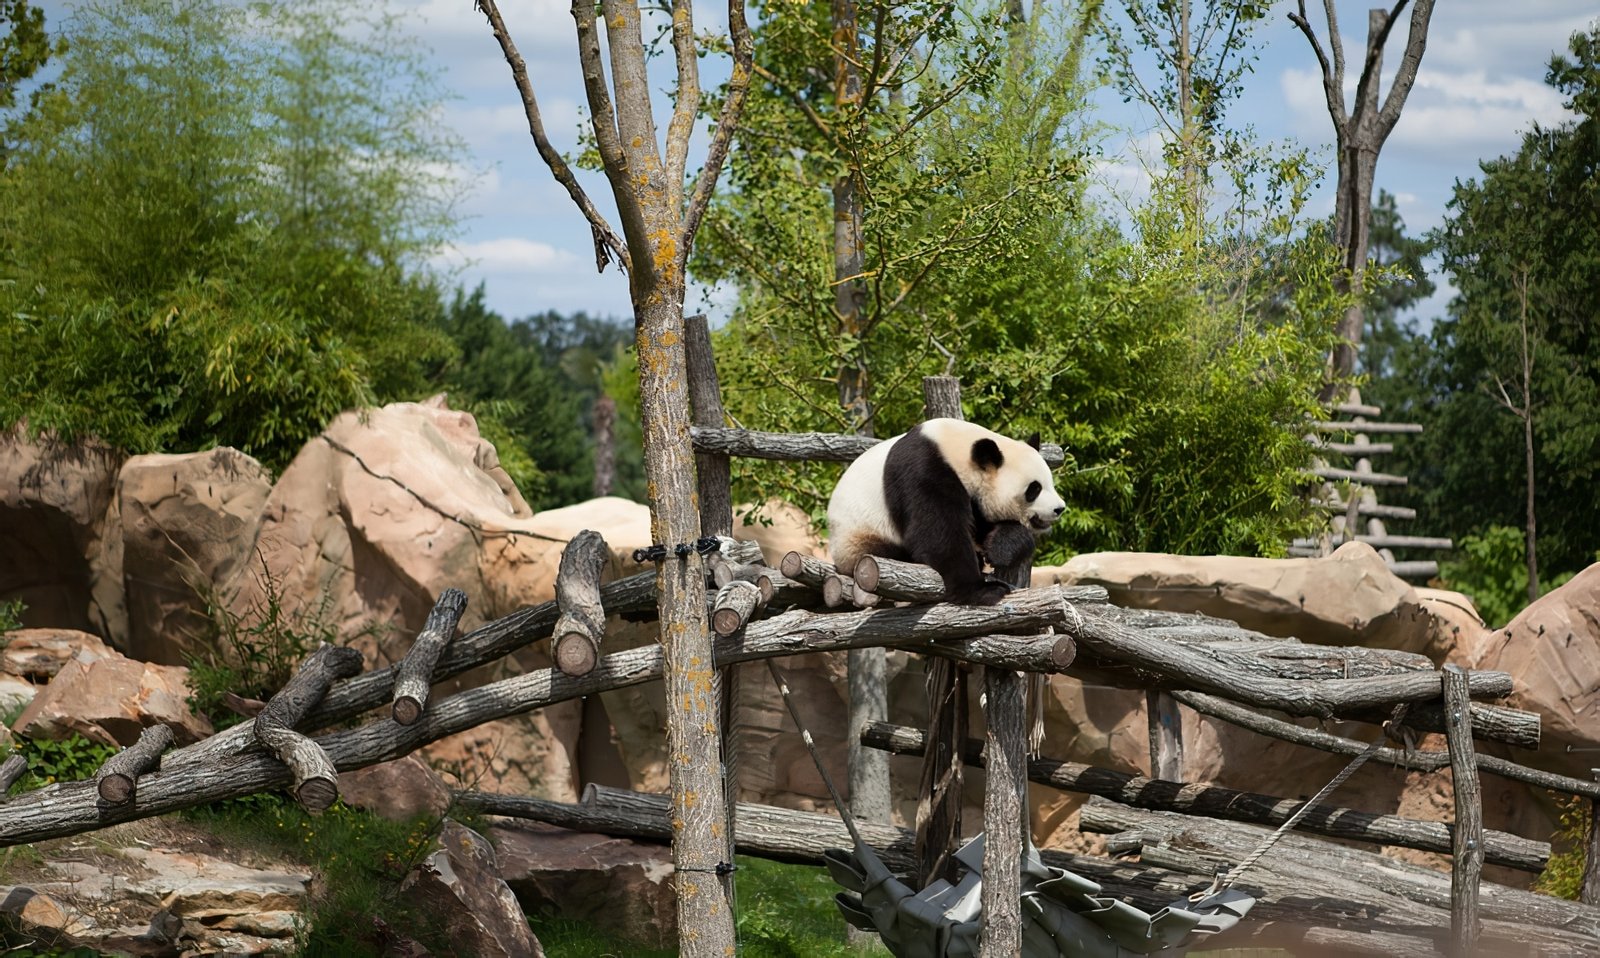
(688, 105)
(1336, 42)
(606, 243)
(738, 85)
(636, 121)
(1369, 70)
(604, 121)
(1416, 43)
(1332, 86)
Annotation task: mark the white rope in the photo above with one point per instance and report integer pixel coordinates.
(1227, 880)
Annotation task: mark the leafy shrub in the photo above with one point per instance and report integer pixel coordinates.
(71, 759)
(1563, 875)
(1491, 568)
(253, 654)
(10, 617)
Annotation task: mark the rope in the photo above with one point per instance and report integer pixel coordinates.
(1227, 880)
(805, 736)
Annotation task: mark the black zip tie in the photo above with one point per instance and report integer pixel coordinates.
(705, 545)
(720, 869)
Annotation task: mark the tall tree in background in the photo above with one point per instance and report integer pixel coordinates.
(659, 220)
(1529, 225)
(1359, 134)
(216, 225)
(1199, 65)
(24, 49)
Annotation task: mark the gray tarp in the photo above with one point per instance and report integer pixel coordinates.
(1063, 914)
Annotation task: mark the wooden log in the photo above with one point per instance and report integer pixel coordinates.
(712, 469)
(117, 780)
(11, 770)
(316, 782)
(1366, 917)
(1353, 475)
(805, 446)
(1357, 409)
(806, 570)
(1417, 759)
(1005, 787)
(733, 606)
(914, 582)
(1215, 801)
(1415, 569)
(1373, 428)
(839, 592)
(1101, 636)
(785, 593)
(899, 581)
(582, 625)
(1589, 889)
(415, 676)
(1375, 893)
(230, 764)
(1385, 542)
(1367, 508)
(1467, 865)
(1166, 736)
(1354, 448)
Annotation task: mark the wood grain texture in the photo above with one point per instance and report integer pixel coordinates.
(415, 675)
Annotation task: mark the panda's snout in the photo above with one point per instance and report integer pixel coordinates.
(1060, 509)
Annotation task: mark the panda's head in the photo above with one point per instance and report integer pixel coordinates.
(1008, 479)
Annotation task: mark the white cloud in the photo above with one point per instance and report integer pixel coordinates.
(510, 254)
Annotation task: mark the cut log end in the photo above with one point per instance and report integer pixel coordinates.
(1063, 653)
(116, 789)
(316, 795)
(576, 654)
(407, 710)
(727, 621)
(866, 573)
(792, 565)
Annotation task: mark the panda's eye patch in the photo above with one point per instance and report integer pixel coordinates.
(1034, 488)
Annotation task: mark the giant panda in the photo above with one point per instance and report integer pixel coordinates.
(936, 495)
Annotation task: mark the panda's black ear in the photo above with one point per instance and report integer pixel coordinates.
(1033, 440)
(986, 454)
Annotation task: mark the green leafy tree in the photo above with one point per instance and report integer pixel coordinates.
(24, 49)
(1522, 242)
(534, 384)
(213, 227)
(1174, 369)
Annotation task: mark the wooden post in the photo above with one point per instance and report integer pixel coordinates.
(1005, 794)
(714, 486)
(1467, 867)
(1589, 893)
(938, 824)
(1166, 736)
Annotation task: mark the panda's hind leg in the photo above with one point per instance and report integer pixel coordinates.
(949, 549)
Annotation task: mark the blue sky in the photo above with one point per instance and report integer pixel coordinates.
(1480, 85)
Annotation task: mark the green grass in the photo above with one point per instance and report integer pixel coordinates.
(784, 911)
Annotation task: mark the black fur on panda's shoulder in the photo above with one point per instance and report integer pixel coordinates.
(936, 517)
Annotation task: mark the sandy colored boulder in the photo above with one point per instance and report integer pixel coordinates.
(1552, 650)
(1347, 598)
(39, 654)
(621, 885)
(110, 700)
(53, 502)
(460, 884)
(187, 521)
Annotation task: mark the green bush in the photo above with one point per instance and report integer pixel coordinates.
(1563, 875)
(1491, 569)
(71, 759)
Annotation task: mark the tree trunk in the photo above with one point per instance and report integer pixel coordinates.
(605, 445)
(1527, 441)
(699, 822)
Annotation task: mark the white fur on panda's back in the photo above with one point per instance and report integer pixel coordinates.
(860, 506)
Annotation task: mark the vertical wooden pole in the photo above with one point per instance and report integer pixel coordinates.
(1467, 867)
(938, 825)
(1005, 806)
(1589, 892)
(1166, 736)
(715, 489)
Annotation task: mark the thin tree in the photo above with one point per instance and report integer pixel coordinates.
(659, 220)
(1524, 411)
(1359, 134)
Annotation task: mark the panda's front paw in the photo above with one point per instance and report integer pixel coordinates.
(993, 592)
